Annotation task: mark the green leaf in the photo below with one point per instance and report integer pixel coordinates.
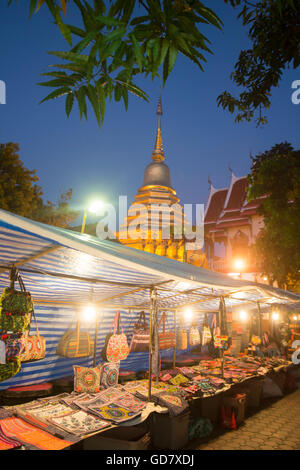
(57, 93)
(69, 103)
(138, 52)
(108, 21)
(64, 29)
(93, 98)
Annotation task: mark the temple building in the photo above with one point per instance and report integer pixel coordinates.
(231, 225)
(155, 218)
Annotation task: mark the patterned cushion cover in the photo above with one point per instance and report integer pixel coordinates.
(86, 379)
(109, 374)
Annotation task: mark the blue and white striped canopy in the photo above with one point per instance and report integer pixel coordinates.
(63, 266)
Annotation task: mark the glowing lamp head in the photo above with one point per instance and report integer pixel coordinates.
(239, 264)
(295, 317)
(188, 314)
(88, 313)
(243, 315)
(275, 316)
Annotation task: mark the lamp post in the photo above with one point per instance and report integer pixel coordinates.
(94, 207)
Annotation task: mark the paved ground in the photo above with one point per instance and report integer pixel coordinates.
(275, 427)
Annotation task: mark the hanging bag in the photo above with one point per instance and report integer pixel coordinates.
(166, 338)
(141, 335)
(181, 337)
(75, 343)
(194, 336)
(206, 333)
(33, 346)
(15, 309)
(117, 347)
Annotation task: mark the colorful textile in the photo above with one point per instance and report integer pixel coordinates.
(110, 374)
(110, 394)
(113, 412)
(33, 347)
(11, 368)
(175, 404)
(45, 413)
(18, 428)
(194, 336)
(179, 379)
(117, 346)
(181, 339)
(141, 335)
(131, 403)
(79, 423)
(87, 379)
(7, 443)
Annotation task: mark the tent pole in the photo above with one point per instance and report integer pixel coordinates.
(95, 341)
(175, 332)
(150, 342)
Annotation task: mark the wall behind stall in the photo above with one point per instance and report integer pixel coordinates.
(53, 322)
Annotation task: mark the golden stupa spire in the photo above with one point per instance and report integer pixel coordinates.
(158, 152)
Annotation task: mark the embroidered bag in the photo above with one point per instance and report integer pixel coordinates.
(181, 337)
(194, 337)
(15, 309)
(13, 347)
(166, 338)
(141, 335)
(33, 346)
(206, 333)
(117, 347)
(11, 368)
(75, 343)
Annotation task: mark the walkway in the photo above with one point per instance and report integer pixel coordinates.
(275, 427)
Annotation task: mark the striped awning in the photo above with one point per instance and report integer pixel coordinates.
(63, 266)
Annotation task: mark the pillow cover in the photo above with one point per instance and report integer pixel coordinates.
(86, 379)
(109, 374)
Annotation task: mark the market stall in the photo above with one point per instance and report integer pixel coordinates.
(78, 283)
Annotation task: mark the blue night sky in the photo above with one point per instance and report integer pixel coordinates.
(200, 139)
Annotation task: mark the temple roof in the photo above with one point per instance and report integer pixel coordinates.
(229, 206)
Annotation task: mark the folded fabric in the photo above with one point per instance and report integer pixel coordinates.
(18, 428)
(7, 443)
(175, 403)
(130, 402)
(113, 412)
(179, 379)
(79, 422)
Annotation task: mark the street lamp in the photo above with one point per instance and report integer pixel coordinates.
(239, 264)
(95, 207)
